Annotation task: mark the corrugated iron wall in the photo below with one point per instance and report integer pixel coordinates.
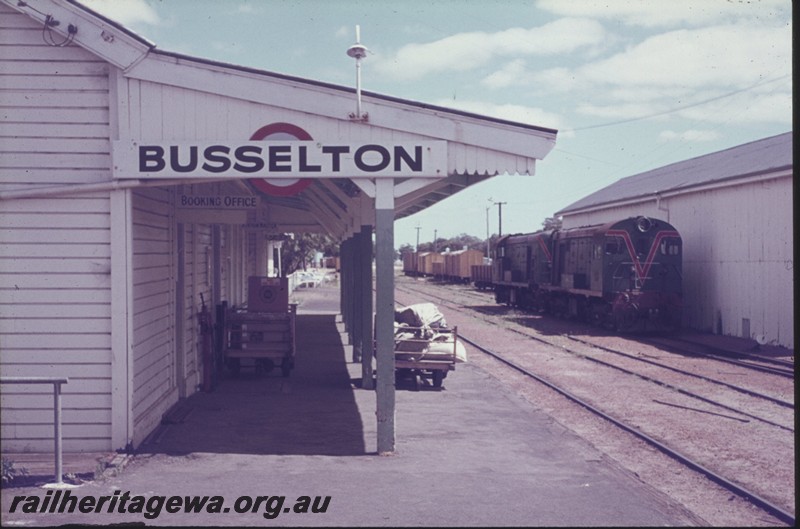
(738, 243)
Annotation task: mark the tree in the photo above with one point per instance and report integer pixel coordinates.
(298, 250)
(441, 244)
(404, 249)
(552, 223)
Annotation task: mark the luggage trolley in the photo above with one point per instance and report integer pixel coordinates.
(264, 332)
(424, 346)
(426, 354)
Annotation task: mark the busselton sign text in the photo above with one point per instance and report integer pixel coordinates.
(278, 159)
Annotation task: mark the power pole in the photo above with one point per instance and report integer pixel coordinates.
(416, 257)
(434, 239)
(487, 230)
(500, 218)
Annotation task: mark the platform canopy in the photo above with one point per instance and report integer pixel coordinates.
(164, 103)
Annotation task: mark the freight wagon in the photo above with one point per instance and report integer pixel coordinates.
(481, 276)
(458, 264)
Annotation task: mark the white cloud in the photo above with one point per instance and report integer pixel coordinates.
(672, 64)
(467, 51)
(717, 74)
(638, 94)
(513, 73)
(688, 136)
(125, 11)
(748, 107)
(720, 55)
(557, 80)
(248, 9)
(620, 111)
(652, 13)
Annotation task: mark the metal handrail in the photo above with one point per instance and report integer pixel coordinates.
(56, 381)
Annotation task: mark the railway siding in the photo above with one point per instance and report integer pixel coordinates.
(748, 439)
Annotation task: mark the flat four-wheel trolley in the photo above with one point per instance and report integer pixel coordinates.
(427, 353)
(268, 338)
(264, 332)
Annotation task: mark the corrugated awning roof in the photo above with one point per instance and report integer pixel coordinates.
(758, 157)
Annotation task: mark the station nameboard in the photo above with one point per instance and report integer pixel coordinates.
(278, 159)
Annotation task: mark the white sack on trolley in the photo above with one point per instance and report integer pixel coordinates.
(427, 317)
(420, 315)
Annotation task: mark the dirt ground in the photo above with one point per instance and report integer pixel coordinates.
(752, 453)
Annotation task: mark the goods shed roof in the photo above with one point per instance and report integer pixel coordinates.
(760, 157)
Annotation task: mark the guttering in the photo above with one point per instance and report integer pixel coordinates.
(52, 191)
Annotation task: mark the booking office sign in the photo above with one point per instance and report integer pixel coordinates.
(279, 159)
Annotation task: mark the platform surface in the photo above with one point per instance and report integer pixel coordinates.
(472, 454)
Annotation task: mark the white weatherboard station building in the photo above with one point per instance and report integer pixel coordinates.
(733, 209)
(133, 181)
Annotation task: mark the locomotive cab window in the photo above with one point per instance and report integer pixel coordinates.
(670, 247)
(613, 246)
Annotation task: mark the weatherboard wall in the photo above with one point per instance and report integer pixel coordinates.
(68, 305)
(153, 348)
(55, 280)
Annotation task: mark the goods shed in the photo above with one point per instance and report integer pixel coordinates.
(137, 184)
(733, 209)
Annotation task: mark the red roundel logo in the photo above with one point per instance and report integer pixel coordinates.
(284, 186)
(267, 295)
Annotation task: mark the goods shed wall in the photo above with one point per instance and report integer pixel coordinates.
(737, 259)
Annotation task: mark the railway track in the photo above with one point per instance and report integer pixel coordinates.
(762, 363)
(692, 394)
(759, 406)
(779, 402)
(744, 493)
(678, 345)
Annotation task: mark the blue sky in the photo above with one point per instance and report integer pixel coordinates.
(630, 85)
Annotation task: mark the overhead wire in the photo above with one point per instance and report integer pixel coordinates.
(678, 109)
(651, 160)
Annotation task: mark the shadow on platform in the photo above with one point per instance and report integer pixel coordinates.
(311, 412)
